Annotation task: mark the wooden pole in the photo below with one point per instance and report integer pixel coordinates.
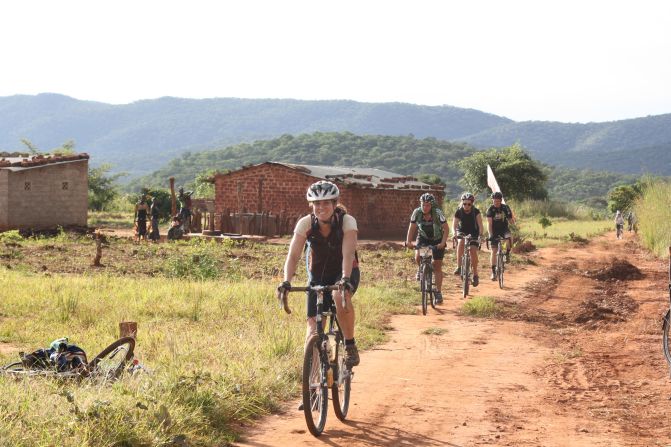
(173, 200)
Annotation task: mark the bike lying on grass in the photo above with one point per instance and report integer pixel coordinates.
(324, 363)
(108, 365)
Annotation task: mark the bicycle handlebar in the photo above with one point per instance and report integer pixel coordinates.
(284, 303)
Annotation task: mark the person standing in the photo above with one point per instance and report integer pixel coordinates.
(155, 214)
(141, 209)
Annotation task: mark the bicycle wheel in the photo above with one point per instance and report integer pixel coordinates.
(465, 275)
(342, 385)
(429, 284)
(666, 340)
(110, 363)
(500, 269)
(425, 292)
(315, 391)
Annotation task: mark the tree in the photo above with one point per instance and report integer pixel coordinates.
(519, 176)
(102, 187)
(622, 197)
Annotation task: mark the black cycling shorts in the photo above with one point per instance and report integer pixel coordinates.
(475, 242)
(505, 235)
(438, 255)
(311, 300)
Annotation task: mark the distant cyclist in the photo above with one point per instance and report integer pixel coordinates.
(630, 221)
(468, 220)
(429, 226)
(498, 216)
(331, 237)
(619, 222)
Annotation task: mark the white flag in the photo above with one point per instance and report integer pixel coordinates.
(492, 183)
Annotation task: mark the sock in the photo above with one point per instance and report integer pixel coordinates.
(349, 342)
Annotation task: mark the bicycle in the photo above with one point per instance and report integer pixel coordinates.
(324, 363)
(666, 325)
(426, 276)
(619, 230)
(109, 364)
(465, 263)
(500, 259)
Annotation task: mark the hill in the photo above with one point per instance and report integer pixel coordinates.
(405, 155)
(142, 136)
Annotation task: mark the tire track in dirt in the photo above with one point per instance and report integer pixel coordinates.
(571, 361)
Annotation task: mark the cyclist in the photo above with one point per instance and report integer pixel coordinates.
(498, 216)
(630, 221)
(619, 221)
(468, 220)
(331, 237)
(429, 221)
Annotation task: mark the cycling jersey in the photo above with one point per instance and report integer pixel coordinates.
(500, 218)
(468, 223)
(431, 228)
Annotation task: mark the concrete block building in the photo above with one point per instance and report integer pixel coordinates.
(43, 192)
(381, 201)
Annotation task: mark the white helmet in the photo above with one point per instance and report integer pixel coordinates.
(322, 190)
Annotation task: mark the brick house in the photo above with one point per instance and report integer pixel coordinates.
(381, 201)
(43, 192)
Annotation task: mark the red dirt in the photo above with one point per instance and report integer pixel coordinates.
(573, 359)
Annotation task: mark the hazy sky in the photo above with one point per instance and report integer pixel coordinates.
(571, 61)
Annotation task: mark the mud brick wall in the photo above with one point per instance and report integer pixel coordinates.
(44, 197)
(380, 213)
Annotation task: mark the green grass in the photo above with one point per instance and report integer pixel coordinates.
(653, 215)
(434, 331)
(111, 219)
(220, 352)
(561, 229)
(480, 306)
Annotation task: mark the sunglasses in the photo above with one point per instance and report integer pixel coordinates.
(467, 203)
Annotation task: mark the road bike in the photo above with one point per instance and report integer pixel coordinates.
(426, 276)
(618, 231)
(466, 276)
(324, 365)
(109, 364)
(500, 258)
(666, 329)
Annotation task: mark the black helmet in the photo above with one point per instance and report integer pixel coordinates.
(468, 196)
(497, 195)
(427, 198)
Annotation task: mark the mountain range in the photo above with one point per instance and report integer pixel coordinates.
(141, 137)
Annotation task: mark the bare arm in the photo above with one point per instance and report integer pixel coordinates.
(446, 232)
(455, 224)
(348, 249)
(412, 234)
(490, 226)
(481, 227)
(295, 249)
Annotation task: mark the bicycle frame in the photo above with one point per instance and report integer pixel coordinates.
(426, 264)
(333, 373)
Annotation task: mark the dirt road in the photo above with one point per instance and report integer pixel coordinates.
(574, 359)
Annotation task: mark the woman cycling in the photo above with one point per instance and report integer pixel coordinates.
(331, 237)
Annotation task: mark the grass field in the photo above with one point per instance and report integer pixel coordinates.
(561, 229)
(217, 347)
